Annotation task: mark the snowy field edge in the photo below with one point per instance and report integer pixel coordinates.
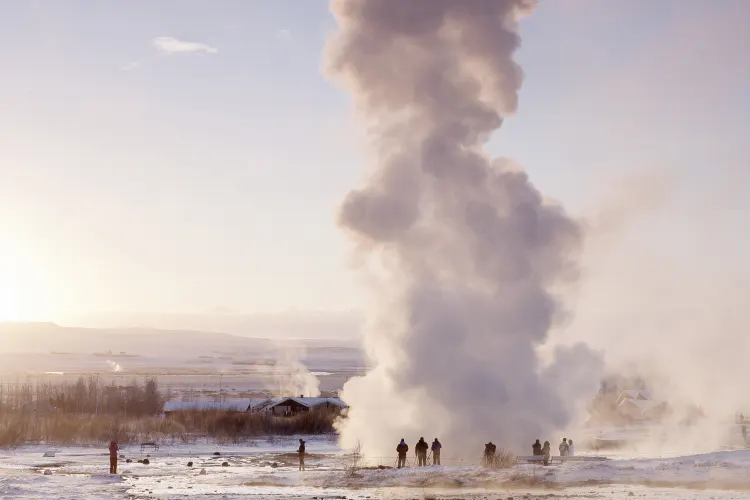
(268, 469)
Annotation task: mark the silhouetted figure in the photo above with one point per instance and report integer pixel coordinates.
(401, 449)
(436, 447)
(536, 448)
(113, 449)
(301, 452)
(489, 454)
(546, 451)
(421, 450)
(563, 448)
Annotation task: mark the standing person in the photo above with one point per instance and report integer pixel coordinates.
(436, 446)
(113, 449)
(571, 449)
(547, 452)
(489, 454)
(401, 449)
(421, 450)
(301, 452)
(563, 448)
(536, 448)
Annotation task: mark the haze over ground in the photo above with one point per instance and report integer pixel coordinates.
(183, 159)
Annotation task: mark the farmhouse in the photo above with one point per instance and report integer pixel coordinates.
(637, 395)
(637, 405)
(285, 406)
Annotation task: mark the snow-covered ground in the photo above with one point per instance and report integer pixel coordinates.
(268, 469)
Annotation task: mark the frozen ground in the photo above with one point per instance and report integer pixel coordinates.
(268, 469)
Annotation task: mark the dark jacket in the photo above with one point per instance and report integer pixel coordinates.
(402, 448)
(546, 449)
(113, 449)
(301, 449)
(421, 446)
(536, 448)
(436, 446)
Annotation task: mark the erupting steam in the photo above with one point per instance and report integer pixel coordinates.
(291, 376)
(469, 252)
(115, 367)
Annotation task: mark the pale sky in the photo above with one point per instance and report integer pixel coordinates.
(182, 156)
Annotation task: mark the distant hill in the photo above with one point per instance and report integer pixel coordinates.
(290, 324)
(45, 338)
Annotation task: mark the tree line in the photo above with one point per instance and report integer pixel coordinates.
(84, 396)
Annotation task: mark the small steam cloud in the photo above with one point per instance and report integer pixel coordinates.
(291, 376)
(115, 367)
(471, 256)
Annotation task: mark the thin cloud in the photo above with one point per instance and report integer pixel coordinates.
(133, 65)
(171, 45)
(283, 34)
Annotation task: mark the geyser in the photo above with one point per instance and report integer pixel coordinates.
(467, 252)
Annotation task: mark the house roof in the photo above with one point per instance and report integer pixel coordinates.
(642, 404)
(307, 402)
(633, 394)
(203, 405)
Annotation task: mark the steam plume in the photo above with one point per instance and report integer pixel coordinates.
(291, 376)
(115, 367)
(468, 251)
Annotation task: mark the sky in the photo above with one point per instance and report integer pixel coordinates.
(189, 156)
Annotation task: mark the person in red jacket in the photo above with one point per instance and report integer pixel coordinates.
(113, 449)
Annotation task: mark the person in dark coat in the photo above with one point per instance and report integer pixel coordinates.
(301, 452)
(401, 449)
(113, 449)
(489, 454)
(436, 447)
(546, 451)
(536, 448)
(421, 450)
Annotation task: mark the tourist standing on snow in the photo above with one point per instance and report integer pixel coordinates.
(401, 449)
(547, 452)
(301, 452)
(421, 450)
(436, 446)
(563, 448)
(489, 454)
(113, 449)
(536, 448)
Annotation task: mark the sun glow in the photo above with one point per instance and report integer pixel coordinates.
(9, 310)
(15, 284)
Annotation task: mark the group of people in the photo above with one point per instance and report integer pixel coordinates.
(420, 449)
(566, 448)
